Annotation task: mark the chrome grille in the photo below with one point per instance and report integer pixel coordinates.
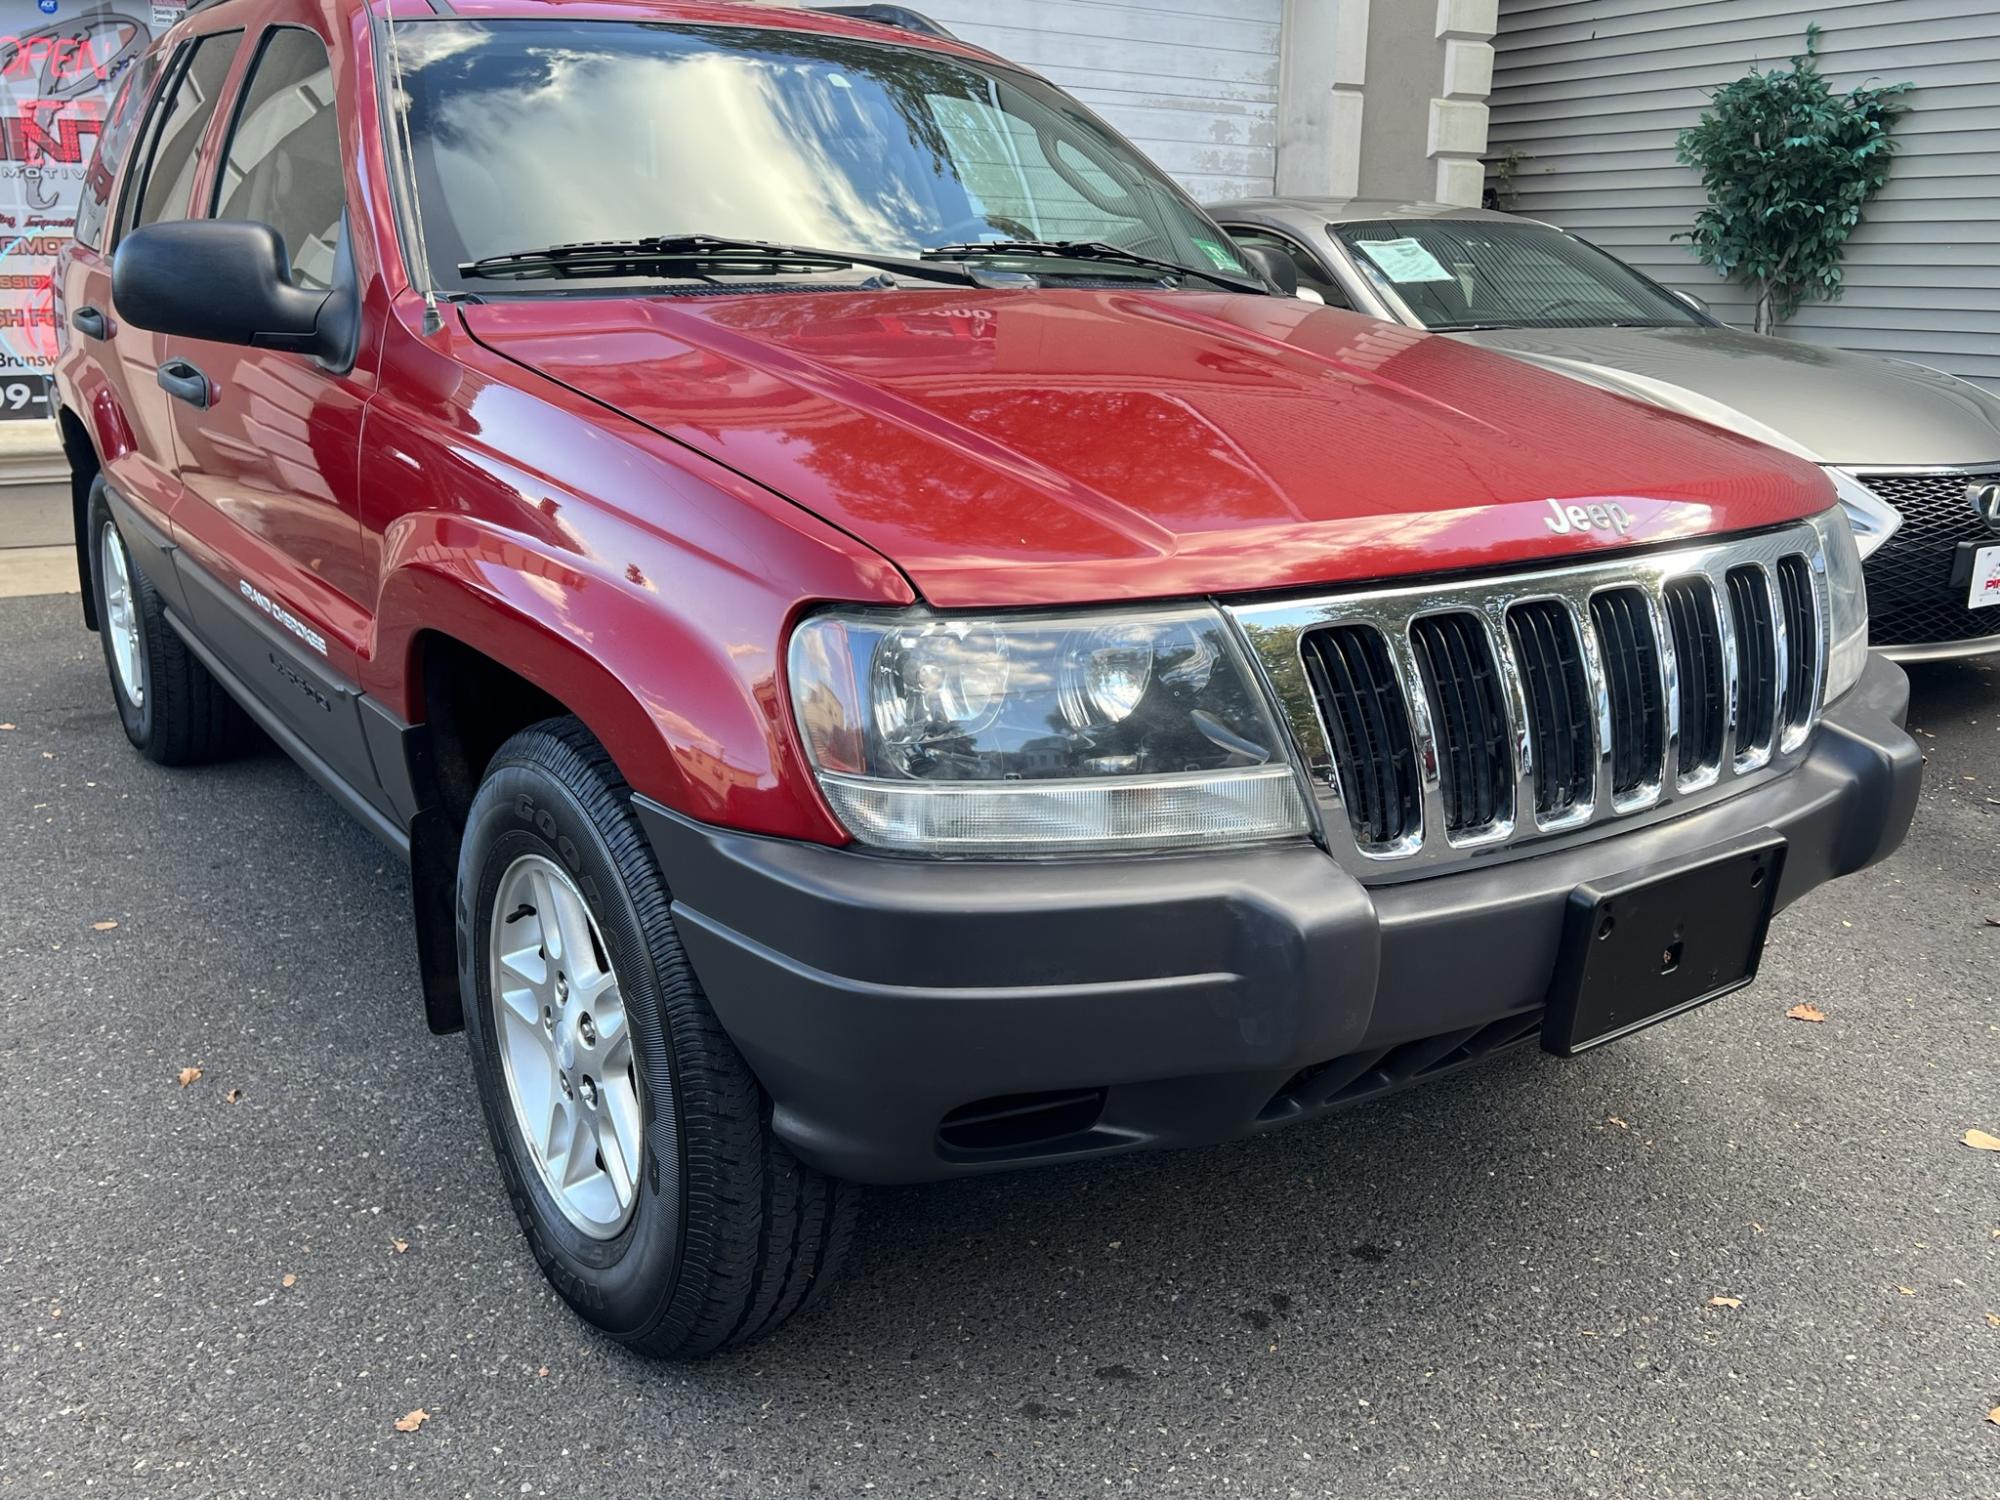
(1799, 618)
(1630, 651)
(1468, 720)
(1561, 725)
(1756, 664)
(1704, 680)
(1352, 670)
(1444, 720)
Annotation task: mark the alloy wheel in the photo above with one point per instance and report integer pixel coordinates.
(565, 1046)
(121, 615)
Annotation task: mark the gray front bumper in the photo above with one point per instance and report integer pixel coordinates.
(1196, 996)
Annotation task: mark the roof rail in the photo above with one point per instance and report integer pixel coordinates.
(899, 16)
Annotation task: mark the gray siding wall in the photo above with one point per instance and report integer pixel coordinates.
(1592, 92)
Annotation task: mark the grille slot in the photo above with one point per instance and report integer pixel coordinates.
(1795, 594)
(1756, 660)
(1560, 732)
(1911, 601)
(1468, 720)
(1455, 720)
(1354, 678)
(1631, 660)
(1704, 689)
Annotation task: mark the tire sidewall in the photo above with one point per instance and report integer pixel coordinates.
(137, 718)
(624, 1283)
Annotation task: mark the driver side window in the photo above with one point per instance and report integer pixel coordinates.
(1312, 274)
(283, 167)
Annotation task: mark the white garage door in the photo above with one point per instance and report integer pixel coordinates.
(1194, 83)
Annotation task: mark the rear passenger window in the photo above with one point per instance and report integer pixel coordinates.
(113, 142)
(168, 183)
(283, 164)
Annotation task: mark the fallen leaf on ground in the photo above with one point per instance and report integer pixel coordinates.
(1614, 1120)
(399, 1246)
(189, 1075)
(1725, 1301)
(232, 1096)
(1979, 1140)
(1806, 1013)
(544, 1370)
(102, 926)
(6, 726)
(1993, 1416)
(1994, 1319)
(1993, 921)
(290, 1280)
(411, 1421)
(1907, 1291)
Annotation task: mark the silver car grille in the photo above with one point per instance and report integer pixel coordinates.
(1445, 722)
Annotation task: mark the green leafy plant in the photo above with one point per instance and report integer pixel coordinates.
(1502, 191)
(1788, 165)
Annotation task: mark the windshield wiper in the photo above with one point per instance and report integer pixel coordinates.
(1096, 250)
(642, 257)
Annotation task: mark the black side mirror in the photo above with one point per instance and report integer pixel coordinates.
(230, 281)
(1274, 266)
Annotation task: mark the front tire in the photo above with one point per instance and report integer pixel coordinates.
(173, 711)
(635, 1144)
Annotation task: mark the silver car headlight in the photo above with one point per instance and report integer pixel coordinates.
(1874, 519)
(1847, 603)
(1041, 735)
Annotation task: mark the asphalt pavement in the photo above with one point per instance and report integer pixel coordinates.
(1500, 1285)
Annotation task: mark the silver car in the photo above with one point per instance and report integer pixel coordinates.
(1914, 454)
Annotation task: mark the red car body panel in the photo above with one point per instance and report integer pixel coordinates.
(630, 500)
(1054, 447)
(639, 583)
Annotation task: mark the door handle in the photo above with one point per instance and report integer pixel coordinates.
(180, 379)
(91, 323)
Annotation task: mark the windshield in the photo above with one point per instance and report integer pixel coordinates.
(529, 133)
(1486, 273)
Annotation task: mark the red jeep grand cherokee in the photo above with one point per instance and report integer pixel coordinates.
(890, 649)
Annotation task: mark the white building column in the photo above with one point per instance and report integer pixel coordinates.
(1321, 76)
(1385, 98)
(1458, 114)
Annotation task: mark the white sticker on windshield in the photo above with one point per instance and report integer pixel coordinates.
(1405, 261)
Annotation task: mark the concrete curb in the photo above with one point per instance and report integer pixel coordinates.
(36, 570)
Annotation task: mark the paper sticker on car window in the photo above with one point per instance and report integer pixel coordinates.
(1405, 261)
(1218, 256)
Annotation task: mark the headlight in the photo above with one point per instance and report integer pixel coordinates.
(1874, 520)
(1017, 735)
(1847, 603)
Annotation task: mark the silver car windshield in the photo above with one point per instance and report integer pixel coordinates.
(1458, 274)
(530, 133)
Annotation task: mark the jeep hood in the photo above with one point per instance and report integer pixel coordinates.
(1855, 410)
(1022, 447)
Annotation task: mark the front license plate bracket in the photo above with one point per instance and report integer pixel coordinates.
(1643, 948)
